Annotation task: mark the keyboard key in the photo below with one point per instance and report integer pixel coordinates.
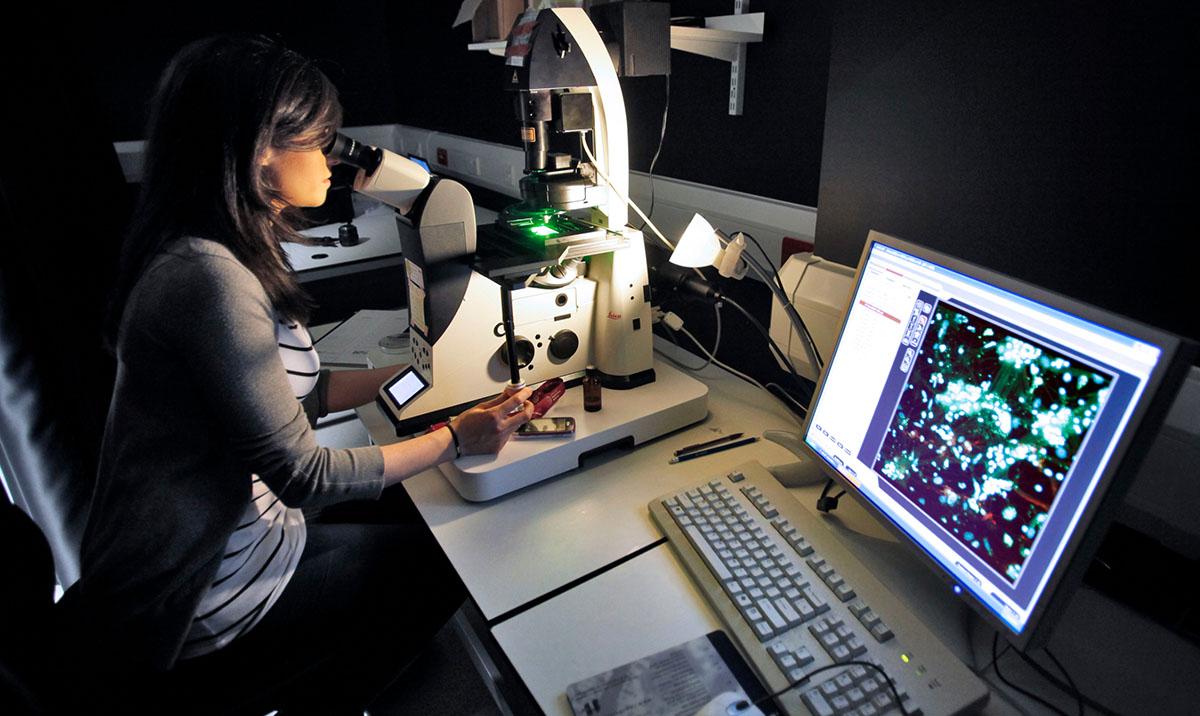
(881, 632)
(772, 614)
(701, 545)
(804, 656)
(787, 611)
(763, 630)
(736, 477)
(817, 704)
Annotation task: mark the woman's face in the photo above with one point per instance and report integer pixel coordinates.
(300, 175)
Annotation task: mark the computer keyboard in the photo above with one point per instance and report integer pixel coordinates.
(794, 599)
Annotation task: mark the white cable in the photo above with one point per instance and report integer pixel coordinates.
(677, 325)
(596, 165)
(738, 373)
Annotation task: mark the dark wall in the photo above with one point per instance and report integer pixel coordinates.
(402, 62)
(130, 44)
(773, 149)
(1052, 141)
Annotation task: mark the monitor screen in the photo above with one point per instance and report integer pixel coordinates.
(979, 417)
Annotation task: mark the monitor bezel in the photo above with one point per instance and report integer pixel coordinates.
(1144, 421)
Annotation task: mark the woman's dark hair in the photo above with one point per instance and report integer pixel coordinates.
(221, 103)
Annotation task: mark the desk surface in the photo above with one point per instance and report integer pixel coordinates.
(559, 530)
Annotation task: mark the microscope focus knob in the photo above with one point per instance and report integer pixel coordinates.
(563, 345)
(524, 348)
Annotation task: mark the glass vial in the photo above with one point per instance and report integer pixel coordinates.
(591, 389)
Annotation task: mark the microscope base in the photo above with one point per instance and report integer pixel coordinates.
(673, 401)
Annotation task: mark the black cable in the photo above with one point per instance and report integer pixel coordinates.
(779, 282)
(790, 310)
(782, 392)
(827, 502)
(761, 250)
(891, 684)
(662, 134)
(770, 341)
(1071, 690)
(980, 671)
(1067, 687)
(1078, 693)
(1014, 687)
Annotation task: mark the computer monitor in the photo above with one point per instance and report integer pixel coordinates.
(986, 421)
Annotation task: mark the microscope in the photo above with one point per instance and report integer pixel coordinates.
(558, 283)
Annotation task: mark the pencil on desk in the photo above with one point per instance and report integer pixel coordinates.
(711, 450)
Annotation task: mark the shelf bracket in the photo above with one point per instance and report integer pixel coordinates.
(724, 38)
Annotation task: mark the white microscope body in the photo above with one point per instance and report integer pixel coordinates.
(579, 295)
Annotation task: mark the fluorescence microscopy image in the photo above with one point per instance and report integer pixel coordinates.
(986, 431)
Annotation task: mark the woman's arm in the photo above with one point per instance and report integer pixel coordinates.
(482, 429)
(351, 388)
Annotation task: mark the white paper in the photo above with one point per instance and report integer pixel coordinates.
(353, 341)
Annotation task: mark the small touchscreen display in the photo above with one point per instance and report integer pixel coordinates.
(404, 387)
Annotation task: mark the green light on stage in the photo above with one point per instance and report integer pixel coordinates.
(542, 231)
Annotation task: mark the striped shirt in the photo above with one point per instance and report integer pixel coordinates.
(263, 551)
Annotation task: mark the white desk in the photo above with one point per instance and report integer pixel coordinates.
(380, 247)
(648, 604)
(526, 544)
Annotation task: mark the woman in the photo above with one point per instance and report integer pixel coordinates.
(196, 559)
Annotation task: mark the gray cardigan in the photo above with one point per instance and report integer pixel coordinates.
(201, 402)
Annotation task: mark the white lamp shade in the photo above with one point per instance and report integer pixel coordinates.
(698, 246)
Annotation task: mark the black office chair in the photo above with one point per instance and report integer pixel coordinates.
(63, 207)
(26, 611)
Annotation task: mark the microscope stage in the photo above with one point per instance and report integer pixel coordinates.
(673, 401)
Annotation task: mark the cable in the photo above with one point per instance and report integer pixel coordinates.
(784, 300)
(716, 342)
(1070, 687)
(596, 165)
(1078, 693)
(770, 341)
(1072, 690)
(662, 134)
(719, 364)
(891, 684)
(784, 394)
(981, 670)
(1014, 687)
(788, 304)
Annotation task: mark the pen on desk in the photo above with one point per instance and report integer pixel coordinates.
(708, 444)
(711, 450)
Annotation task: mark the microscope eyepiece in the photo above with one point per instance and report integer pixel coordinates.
(356, 154)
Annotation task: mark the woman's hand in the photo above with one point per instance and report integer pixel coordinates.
(486, 427)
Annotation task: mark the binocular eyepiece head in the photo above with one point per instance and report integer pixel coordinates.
(354, 153)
